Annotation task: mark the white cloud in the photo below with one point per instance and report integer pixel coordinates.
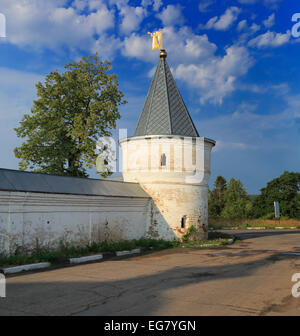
(182, 45)
(79, 5)
(132, 17)
(186, 47)
(220, 145)
(246, 31)
(48, 24)
(194, 61)
(294, 108)
(138, 47)
(224, 21)
(246, 129)
(254, 28)
(155, 3)
(281, 89)
(270, 21)
(171, 15)
(242, 25)
(205, 4)
(270, 39)
(146, 3)
(106, 46)
(216, 77)
(119, 3)
(249, 142)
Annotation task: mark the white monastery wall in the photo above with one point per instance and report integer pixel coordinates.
(29, 219)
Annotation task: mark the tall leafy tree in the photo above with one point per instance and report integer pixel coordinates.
(235, 191)
(241, 208)
(285, 190)
(216, 201)
(237, 203)
(73, 110)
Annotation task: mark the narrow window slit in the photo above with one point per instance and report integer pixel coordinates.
(183, 222)
(163, 160)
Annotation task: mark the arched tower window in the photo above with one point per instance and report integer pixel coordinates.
(163, 160)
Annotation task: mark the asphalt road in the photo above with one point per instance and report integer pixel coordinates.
(251, 277)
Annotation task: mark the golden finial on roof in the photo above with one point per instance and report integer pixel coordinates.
(157, 42)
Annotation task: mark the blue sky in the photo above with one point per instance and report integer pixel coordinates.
(235, 62)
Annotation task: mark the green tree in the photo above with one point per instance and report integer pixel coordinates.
(237, 203)
(241, 208)
(235, 191)
(73, 110)
(216, 200)
(284, 189)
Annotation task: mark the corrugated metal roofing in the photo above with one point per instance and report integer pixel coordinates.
(164, 112)
(14, 180)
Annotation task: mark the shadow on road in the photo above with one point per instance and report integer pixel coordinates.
(141, 295)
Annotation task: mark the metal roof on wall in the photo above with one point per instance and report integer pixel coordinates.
(14, 180)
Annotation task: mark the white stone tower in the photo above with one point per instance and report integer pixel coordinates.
(169, 159)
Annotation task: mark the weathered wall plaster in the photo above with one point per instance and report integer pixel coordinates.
(39, 219)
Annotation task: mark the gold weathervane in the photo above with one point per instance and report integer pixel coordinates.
(157, 40)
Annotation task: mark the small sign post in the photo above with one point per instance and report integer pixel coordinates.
(276, 208)
(277, 211)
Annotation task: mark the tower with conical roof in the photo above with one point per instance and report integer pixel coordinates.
(169, 159)
(164, 111)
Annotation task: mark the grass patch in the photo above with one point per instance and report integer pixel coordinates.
(66, 251)
(205, 243)
(215, 239)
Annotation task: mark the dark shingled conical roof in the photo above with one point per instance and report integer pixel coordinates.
(164, 112)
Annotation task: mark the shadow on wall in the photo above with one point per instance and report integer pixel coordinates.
(157, 226)
(174, 210)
